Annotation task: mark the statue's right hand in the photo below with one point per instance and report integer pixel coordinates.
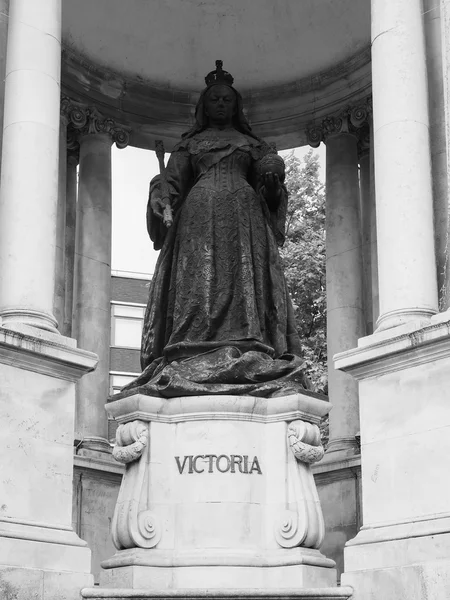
(157, 206)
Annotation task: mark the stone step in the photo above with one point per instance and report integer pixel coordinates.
(330, 593)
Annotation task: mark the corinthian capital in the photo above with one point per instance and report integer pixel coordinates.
(83, 120)
(353, 120)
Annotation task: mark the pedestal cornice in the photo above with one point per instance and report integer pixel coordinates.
(201, 408)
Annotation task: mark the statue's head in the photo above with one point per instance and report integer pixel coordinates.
(221, 103)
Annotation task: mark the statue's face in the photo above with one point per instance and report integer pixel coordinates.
(220, 105)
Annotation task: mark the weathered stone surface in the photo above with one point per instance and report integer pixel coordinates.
(203, 521)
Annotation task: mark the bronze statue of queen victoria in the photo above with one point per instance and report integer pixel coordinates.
(219, 318)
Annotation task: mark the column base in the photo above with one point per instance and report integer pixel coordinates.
(92, 446)
(394, 318)
(13, 318)
(341, 448)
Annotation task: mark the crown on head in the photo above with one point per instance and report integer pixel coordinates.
(219, 76)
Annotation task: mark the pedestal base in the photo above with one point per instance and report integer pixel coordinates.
(218, 494)
(296, 568)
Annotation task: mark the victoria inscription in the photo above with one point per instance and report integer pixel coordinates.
(208, 463)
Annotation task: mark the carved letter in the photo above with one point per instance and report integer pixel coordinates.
(195, 463)
(179, 465)
(191, 469)
(227, 468)
(236, 459)
(255, 466)
(211, 457)
(245, 464)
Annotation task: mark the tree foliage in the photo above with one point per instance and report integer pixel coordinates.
(304, 260)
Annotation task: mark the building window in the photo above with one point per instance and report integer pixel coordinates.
(116, 382)
(126, 325)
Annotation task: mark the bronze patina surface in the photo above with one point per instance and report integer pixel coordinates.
(219, 318)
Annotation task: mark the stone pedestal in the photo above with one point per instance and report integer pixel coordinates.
(218, 494)
(41, 557)
(403, 548)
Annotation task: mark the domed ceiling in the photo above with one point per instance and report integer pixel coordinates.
(117, 53)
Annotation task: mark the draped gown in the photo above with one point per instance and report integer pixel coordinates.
(219, 317)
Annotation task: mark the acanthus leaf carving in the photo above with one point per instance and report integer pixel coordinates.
(353, 120)
(86, 120)
(304, 440)
(131, 439)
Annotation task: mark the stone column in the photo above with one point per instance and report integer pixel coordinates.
(4, 8)
(368, 228)
(70, 228)
(344, 270)
(438, 59)
(29, 178)
(92, 292)
(373, 234)
(59, 297)
(40, 555)
(406, 256)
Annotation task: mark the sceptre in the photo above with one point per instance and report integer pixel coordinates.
(165, 196)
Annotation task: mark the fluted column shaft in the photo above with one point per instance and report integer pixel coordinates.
(406, 256)
(29, 178)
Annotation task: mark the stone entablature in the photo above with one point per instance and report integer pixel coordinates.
(277, 113)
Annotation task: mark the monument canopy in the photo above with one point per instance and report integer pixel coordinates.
(144, 62)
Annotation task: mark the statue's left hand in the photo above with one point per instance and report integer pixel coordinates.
(272, 186)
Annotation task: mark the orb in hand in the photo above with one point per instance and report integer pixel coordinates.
(273, 163)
